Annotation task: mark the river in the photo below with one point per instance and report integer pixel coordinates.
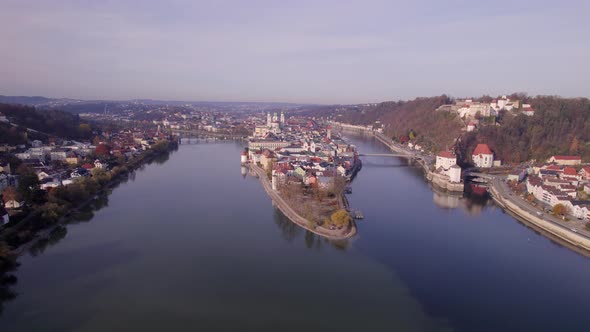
(189, 244)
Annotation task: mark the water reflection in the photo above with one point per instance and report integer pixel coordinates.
(472, 204)
(84, 214)
(56, 235)
(7, 281)
(291, 231)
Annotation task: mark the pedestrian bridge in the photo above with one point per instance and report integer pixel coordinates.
(479, 175)
(384, 155)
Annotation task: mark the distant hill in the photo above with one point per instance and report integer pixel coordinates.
(28, 122)
(94, 106)
(24, 100)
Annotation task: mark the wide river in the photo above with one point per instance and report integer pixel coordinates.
(189, 244)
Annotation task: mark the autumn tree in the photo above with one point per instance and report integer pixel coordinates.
(574, 146)
(340, 218)
(338, 185)
(560, 209)
(530, 198)
(102, 150)
(319, 194)
(84, 130)
(10, 194)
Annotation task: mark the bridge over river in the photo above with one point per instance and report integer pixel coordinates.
(383, 155)
(402, 155)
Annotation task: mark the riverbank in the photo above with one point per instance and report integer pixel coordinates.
(41, 222)
(559, 231)
(288, 211)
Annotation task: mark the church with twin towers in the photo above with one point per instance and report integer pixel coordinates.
(274, 123)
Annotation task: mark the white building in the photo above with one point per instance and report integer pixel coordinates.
(482, 156)
(566, 160)
(455, 174)
(445, 159)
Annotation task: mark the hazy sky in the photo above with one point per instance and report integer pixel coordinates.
(293, 51)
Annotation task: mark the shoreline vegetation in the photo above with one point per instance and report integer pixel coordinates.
(42, 222)
(298, 207)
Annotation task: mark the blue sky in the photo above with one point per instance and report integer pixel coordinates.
(293, 51)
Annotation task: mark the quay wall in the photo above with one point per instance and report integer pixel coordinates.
(559, 231)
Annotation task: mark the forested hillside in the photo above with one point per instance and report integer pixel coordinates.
(47, 122)
(559, 126)
(415, 118)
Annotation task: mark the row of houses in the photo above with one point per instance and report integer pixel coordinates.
(553, 184)
(40, 158)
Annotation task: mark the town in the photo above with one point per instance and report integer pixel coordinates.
(45, 179)
(309, 166)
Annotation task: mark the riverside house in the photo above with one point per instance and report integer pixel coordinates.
(482, 156)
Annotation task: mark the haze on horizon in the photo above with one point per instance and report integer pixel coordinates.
(302, 52)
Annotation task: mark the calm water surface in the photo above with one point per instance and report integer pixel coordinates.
(190, 244)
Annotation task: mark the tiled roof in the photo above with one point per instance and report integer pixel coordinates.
(446, 154)
(482, 149)
(567, 157)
